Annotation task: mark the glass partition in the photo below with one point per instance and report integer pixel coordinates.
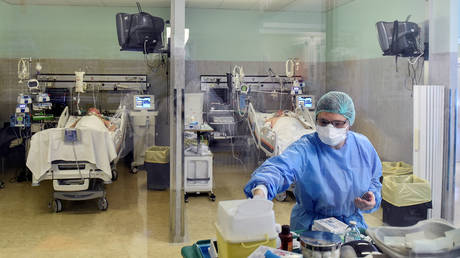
(251, 62)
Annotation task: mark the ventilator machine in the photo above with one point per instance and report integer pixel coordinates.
(143, 121)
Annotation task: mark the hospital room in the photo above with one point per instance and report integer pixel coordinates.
(229, 128)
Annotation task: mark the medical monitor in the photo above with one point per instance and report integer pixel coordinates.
(305, 101)
(139, 32)
(144, 102)
(399, 38)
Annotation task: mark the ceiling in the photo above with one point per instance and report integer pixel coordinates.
(266, 5)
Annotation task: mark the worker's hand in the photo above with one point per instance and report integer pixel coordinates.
(366, 202)
(258, 194)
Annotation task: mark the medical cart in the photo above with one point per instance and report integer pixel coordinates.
(198, 166)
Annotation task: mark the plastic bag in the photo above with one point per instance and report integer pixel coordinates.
(396, 168)
(157, 154)
(405, 190)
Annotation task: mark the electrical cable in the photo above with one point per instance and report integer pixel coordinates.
(270, 71)
(414, 64)
(414, 76)
(233, 150)
(151, 65)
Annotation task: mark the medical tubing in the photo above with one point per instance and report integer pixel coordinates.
(78, 103)
(76, 161)
(313, 122)
(233, 150)
(94, 100)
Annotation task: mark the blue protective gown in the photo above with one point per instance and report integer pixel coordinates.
(326, 180)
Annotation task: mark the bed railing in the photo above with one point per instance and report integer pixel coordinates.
(63, 118)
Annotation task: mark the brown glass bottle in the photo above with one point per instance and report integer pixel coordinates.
(286, 238)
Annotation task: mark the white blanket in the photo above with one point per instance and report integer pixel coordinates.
(93, 122)
(95, 146)
(288, 130)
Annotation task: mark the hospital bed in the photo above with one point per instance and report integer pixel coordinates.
(288, 129)
(79, 168)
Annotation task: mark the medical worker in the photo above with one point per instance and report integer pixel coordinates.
(336, 171)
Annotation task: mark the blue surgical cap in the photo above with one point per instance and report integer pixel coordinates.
(337, 102)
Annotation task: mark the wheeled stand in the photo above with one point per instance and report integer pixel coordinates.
(211, 195)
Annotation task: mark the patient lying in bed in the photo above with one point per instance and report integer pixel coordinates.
(288, 129)
(94, 120)
(272, 120)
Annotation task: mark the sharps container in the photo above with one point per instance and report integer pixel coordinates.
(244, 225)
(320, 244)
(156, 164)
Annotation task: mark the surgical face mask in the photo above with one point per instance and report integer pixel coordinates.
(330, 135)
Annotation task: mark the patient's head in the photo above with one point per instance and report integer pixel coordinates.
(279, 113)
(94, 111)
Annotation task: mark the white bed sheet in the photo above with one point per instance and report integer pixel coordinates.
(95, 146)
(288, 129)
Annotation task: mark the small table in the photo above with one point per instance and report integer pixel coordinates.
(199, 130)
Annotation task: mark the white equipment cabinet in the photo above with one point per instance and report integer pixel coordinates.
(198, 173)
(143, 125)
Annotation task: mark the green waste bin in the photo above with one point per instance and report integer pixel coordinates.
(156, 164)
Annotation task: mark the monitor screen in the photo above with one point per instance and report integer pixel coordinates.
(143, 102)
(305, 101)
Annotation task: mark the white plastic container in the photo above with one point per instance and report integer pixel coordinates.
(244, 225)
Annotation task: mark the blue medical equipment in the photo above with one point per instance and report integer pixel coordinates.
(20, 120)
(71, 135)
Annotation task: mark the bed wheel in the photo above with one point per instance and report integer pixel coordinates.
(134, 170)
(212, 197)
(57, 205)
(281, 197)
(102, 204)
(114, 175)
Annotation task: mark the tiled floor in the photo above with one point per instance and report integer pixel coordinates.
(135, 225)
